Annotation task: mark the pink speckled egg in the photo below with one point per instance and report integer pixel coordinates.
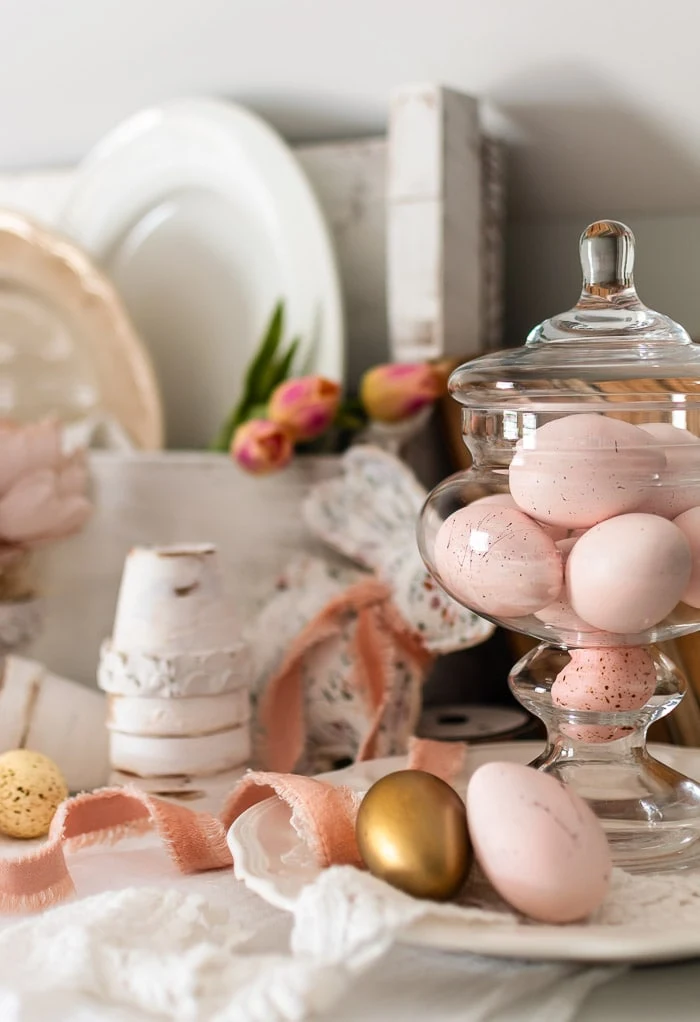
(498, 561)
(581, 469)
(559, 613)
(538, 843)
(689, 524)
(498, 499)
(605, 680)
(625, 575)
(665, 433)
(556, 532)
(678, 488)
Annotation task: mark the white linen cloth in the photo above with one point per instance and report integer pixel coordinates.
(205, 949)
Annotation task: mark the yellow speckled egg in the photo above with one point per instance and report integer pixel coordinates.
(31, 788)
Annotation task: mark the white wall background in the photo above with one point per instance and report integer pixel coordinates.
(599, 103)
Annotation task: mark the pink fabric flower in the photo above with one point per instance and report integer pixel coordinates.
(42, 491)
(260, 446)
(397, 391)
(306, 406)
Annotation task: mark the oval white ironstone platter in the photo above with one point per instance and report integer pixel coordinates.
(273, 862)
(67, 347)
(203, 218)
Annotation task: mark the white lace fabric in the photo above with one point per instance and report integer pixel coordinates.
(205, 949)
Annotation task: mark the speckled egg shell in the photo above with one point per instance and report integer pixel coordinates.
(605, 680)
(31, 789)
(581, 469)
(559, 613)
(678, 488)
(689, 524)
(497, 499)
(555, 532)
(498, 561)
(625, 575)
(538, 843)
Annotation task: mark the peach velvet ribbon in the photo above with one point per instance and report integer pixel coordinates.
(196, 842)
(381, 636)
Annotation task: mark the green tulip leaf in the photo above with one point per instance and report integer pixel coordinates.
(265, 371)
(254, 386)
(284, 365)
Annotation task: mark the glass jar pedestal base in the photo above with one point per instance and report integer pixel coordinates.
(650, 812)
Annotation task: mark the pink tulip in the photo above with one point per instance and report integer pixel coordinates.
(260, 446)
(306, 406)
(397, 391)
(42, 492)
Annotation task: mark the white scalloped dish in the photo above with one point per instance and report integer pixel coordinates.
(660, 923)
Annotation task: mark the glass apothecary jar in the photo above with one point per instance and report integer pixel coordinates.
(579, 524)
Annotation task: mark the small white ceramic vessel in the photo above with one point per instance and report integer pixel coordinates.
(198, 756)
(183, 675)
(171, 600)
(169, 718)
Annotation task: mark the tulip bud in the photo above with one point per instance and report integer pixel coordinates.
(306, 406)
(260, 446)
(399, 390)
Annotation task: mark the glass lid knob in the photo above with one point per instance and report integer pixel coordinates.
(608, 335)
(607, 258)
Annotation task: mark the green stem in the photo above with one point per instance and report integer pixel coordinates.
(222, 440)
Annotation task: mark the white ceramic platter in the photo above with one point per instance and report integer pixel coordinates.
(204, 219)
(271, 860)
(67, 346)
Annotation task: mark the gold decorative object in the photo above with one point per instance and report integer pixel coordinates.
(412, 832)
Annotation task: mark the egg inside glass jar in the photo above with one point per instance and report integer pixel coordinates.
(579, 470)
(678, 486)
(498, 560)
(627, 568)
(621, 577)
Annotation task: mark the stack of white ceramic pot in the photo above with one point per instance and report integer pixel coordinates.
(176, 675)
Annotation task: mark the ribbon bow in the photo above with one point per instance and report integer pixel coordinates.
(381, 637)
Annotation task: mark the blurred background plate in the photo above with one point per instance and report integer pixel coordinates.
(67, 347)
(204, 219)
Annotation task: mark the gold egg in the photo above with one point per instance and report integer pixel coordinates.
(412, 832)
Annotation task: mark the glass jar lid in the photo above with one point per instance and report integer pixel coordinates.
(608, 347)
